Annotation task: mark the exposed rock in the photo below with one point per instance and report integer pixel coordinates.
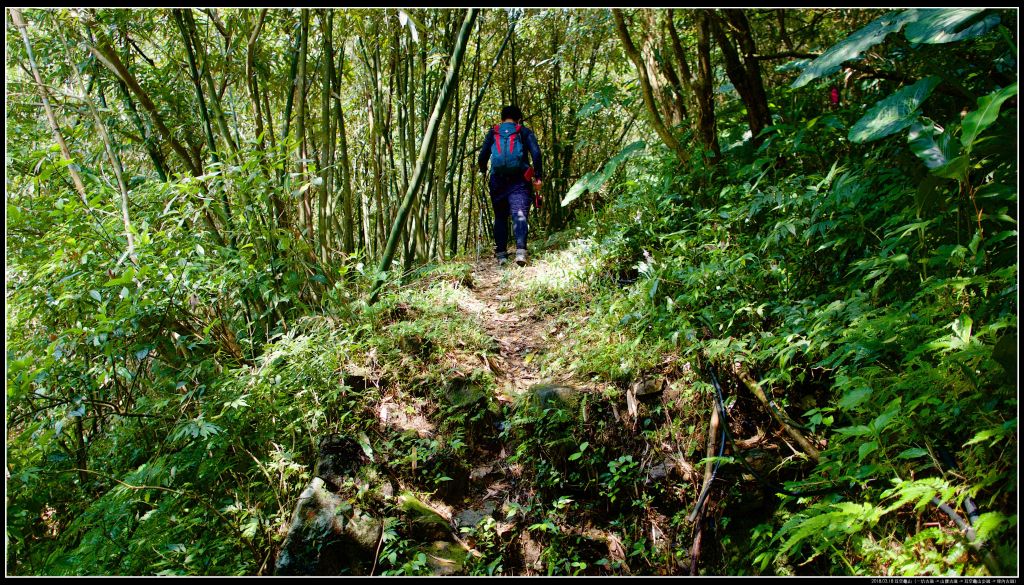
(427, 523)
(660, 471)
(648, 387)
(548, 395)
(359, 377)
(394, 415)
(531, 551)
(473, 516)
(464, 393)
(415, 344)
(445, 558)
(469, 402)
(328, 537)
(481, 472)
(453, 466)
(672, 467)
(338, 459)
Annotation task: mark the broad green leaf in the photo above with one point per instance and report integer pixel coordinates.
(882, 420)
(950, 24)
(854, 45)
(934, 153)
(988, 110)
(125, 278)
(1005, 352)
(912, 453)
(984, 436)
(866, 449)
(854, 431)
(364, 442)
(586, 183)
(593, 180)
(926, 195)
(954, 169)
(853, 398)
(894, 113)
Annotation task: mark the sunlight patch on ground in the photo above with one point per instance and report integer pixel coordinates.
(443, 295)
(562, 270)
(405, 416)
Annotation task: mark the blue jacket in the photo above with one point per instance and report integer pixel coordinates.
(529, 140)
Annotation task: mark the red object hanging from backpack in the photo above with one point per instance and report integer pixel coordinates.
(528, 175)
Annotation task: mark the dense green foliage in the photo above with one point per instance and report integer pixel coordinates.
(179, 345)
(878, 299)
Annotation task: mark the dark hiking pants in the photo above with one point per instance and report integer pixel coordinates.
(509, 198)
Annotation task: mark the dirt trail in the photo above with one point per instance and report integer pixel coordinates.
(523, 335)
(520, 330)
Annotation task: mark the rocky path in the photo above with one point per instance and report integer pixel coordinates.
(520, 330)
(499, 299)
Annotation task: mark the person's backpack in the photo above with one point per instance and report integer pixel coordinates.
(508, 157)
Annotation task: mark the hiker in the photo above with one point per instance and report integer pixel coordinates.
(510, 145)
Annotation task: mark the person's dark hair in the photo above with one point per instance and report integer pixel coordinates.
(512, 112)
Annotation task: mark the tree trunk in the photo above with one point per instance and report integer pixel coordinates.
(182, 26)
(109, 58)
(194, 70)
(346, 165)
(253, 81)
(326, 125)
(279, 206)
(115, 161)
(685, 73)
(745, 75)
(300, 123)
(215, 95)
(646, 88)
(707, 126)
(145, 130)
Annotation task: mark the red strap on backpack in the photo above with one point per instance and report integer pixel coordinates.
(512, 139)
(497, 137)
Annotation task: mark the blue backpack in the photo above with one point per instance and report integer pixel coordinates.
(507, 155)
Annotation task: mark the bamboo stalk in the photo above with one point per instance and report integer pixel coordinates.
(19, 22)
(115, 161)
(426, 148)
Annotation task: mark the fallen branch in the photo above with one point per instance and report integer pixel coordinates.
(708, 468)
(756, 389)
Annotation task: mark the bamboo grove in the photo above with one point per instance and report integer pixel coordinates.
(331, 105)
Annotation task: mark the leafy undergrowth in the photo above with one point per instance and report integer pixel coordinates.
(889, 335)
(886, 367)
(887, 325)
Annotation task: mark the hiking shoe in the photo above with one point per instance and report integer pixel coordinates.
(502, 261)
(521, 257)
